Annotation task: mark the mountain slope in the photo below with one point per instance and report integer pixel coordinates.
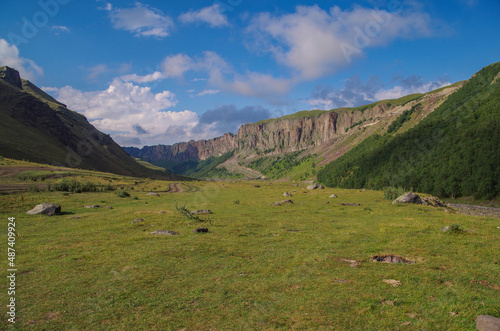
(296, 145)
(455, 151)
(36, 127)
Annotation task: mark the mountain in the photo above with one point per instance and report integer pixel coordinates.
(293, 146)
(455, 151)
(36, 127)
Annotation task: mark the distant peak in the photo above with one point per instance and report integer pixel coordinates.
(11, 76)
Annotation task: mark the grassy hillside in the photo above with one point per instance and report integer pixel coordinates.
(36, 127)
(298, 266)
(455, 151)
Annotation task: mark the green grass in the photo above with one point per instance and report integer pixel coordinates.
(249, 272)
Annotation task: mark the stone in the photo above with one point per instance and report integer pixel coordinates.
(432, 201)
(164, 233)
(487, 323)
(276, 204)
(393, 282)
(45, 208)
(390, 259)
(108, 207)
(200, 230)
(256, 186)
(153, 194)
(333, 196)
(93, 206)
(137, 220)
(11, 76)
(201, 212)
(352, 263)
(287, 194)
(409, 197)
(286, 201)
(327, 202)
(315, 186)
(350, 204)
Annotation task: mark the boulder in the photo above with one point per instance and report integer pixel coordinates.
(200, 230)
(409, 197)
(153, 194)
(93, 206)
(45, 208)
(315, 186)
(287, 194)
(333, 196)
(487, 323)
(164, 233)
(137, 220)
(286, 201)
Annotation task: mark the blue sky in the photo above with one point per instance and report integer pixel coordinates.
(160, 72)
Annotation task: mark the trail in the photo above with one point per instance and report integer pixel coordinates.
(233, 166)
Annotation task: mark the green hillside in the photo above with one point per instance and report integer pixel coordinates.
(455, 151)
(36, 127)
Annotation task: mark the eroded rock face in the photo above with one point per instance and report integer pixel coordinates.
(45, 208)
(487, 323)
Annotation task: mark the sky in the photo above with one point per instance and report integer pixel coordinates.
(160, 72)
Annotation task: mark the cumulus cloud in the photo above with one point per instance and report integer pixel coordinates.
(211, 15)
(314, 42)
(141, 20)
(9, 56)
(59, 28)
(356, 93)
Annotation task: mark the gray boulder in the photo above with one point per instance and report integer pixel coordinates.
(287, 194)
(409, 197)
(315, 186)
(137, 220)
(487, 323)
(92, 206)
(45, 208)
(164, 233)
(333, 196)
(153, 194)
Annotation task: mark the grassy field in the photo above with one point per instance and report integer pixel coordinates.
(259, 268)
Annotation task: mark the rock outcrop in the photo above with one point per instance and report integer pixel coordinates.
(11, 76)
(45, 208)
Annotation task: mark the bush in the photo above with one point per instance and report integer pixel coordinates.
(75, 186)
(122, 194)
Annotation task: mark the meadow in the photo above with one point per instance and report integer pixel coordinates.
(305, 265)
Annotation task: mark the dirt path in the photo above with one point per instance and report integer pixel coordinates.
(11, 171)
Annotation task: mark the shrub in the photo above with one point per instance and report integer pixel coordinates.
(122, 194)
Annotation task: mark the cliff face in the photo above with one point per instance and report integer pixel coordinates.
(273, 136)
(192, 150)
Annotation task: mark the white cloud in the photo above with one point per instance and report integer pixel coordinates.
(95, 71)
(9, 56)
(209, 92)
(355, 92)
(59, 28)
(134, 115)
(142, 20)
(211, 15)
(314, 42)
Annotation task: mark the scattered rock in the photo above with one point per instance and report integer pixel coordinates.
(256, 186)
(287, 194)
(286, 201)
(200, 230)
(432, 201)
(315, 186)
(409, 197)
(137, 220)
(327, 202)
(162, 212)
(333, 196)
(276, 204)
(292, 230)
(487, 323)
(388, 302)
(393, 282)
(45, 208)
(352, 263)
(390, 259)
(164, 232)
(108, 207)
(201, 212)
(93, 206)
(350, 204)
(153, 194)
